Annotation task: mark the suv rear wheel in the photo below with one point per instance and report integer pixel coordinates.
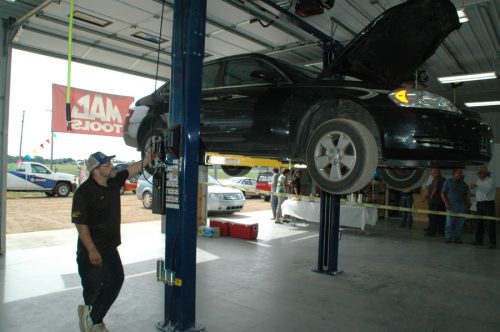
(404, 179)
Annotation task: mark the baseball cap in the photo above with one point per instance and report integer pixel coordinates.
(97, 159)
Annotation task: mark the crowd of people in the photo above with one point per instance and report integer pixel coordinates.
(443, 195)
(456, 196)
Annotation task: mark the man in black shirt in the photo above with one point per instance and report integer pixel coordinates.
(435, 203)
(96, 215)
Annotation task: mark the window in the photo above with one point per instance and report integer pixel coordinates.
(210, 76)
(238, 72)
(39, 169)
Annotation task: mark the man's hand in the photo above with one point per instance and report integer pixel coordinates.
(95, 257)
(472, 185)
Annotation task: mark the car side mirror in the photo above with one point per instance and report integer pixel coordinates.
(265, 75)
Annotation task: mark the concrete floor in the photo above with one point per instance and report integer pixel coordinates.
(394, 280)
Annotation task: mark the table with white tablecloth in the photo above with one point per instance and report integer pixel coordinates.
(350, 216)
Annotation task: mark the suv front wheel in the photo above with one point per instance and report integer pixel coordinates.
(341, 156)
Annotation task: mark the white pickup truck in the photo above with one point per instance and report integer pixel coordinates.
(31, 176)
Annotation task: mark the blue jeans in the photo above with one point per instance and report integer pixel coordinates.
(453, 225)
(407, 202)
(101, 285)
(274, 204)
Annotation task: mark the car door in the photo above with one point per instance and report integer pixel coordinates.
(40, 178)
(244, 114)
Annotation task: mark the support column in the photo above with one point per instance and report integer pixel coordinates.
(5, 56)
(328, 248)
(181, 224)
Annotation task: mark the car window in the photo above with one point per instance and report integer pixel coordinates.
(212, 181)
(238, 72)
(210, 76)
(39, 169)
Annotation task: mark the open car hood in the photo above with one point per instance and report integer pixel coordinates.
(397, 42)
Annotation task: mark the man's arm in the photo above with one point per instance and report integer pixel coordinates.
(84, 234)
(138, 166)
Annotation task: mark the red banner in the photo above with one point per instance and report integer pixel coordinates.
(92, 113)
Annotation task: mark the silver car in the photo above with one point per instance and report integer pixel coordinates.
(219, 198)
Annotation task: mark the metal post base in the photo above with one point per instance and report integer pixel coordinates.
(168, 327)
(330, 273)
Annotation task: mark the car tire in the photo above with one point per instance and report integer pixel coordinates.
(63, 189)
(147, 200)
(146, 145)
(236, 170)
(266, 198)
(50, 193)
(351, 166)
(404, 179)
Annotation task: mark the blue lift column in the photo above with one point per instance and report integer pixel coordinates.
(329, 221)
(182, 170)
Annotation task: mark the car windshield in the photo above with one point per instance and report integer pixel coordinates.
(301, 71)
(212, 181)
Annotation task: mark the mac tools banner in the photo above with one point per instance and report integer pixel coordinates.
(92, 112)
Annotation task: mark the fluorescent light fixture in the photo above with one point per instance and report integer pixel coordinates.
(90, 19)
(483, 103)
(149, 37)
(462, 16)
(467, 78)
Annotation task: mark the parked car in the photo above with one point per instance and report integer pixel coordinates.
(144, 190)
(344, 123)
(264, 183)
(246, 185)
(131, 183)
(219, 198)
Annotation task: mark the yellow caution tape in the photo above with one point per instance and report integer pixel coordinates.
(370, 205)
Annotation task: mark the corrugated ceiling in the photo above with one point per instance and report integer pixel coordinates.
(231, 29)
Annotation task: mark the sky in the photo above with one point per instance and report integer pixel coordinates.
(32, 76)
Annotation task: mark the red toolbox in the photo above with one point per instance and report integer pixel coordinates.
(244, 231)
(222, 224)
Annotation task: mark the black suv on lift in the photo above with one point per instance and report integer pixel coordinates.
(343, 129)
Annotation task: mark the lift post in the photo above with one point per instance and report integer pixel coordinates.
(328, 248)
(178, 271)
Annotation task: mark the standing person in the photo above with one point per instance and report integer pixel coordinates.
(484, 189)
(406, 200)
(295, 184)
(281, 189)
(274, 198)
(96, 215)
(436, 203)
(454, 195)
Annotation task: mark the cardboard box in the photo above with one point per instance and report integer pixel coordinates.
(222, 224)
(243, 231)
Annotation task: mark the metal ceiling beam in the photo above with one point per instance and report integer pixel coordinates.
(17, 24)
(111, 36)
(107, 49)
(85, 62)
(259, 15)
(230, 29)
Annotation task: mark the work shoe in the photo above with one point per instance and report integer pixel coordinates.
(99, 328)
(84, 317)
(458, 241)
(492, 246)
(475, 243)
(448, 241)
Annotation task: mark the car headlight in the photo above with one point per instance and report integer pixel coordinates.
(216, 196)
(412, 98)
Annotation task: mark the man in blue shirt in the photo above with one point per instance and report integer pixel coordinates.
(454, 195)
